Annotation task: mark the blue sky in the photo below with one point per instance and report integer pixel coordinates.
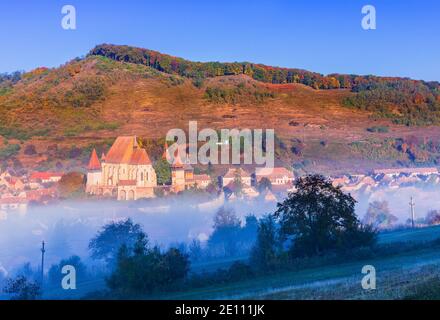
(321, 36)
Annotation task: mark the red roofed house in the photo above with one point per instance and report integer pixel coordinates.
(14, 183)
(202, 180)
(125, 173)
(45, 177)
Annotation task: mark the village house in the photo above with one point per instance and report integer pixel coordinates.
(277, 176)
(202, 181)
(360, 183)
(45, 177)
(237, 173)
(14, 183)
(125, 173)
(340, 181)
(246, 191)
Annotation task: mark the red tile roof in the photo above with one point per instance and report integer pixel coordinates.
(121, 150)
(94, 163)
(140, 157)
(277, 172)
(45, 175)
(126, 150)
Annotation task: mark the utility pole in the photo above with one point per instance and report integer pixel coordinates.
(43, 250)
(412, 205)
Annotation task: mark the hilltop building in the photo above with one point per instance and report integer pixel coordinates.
(125, 173)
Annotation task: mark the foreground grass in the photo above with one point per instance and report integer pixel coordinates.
(396, 276)
(410, 235)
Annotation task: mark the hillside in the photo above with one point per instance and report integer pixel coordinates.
(51, 118)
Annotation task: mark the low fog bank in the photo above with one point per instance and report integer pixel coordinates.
(67, 227)
(398, 199)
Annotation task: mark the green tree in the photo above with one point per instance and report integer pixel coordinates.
(237, 183)
(264, 184)
(378, 215)
(146, 269)
(432, 217)
(195, 250)
(223, 241)
(319, 217)
(55, 275)
(105, 245)
(163, 171)
(225, 217)
(264, 255)
(176, 265)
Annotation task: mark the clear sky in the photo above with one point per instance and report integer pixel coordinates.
(322, 36)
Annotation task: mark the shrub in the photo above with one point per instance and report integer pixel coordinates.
(85, 92)
(9, 151)
(379, 129)
(30, 150)
(21, 288)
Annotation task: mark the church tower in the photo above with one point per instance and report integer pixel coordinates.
(94, 173)
(177, 174)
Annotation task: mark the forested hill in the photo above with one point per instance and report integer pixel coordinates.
(56, 116)
(259, 72)
(405, 101)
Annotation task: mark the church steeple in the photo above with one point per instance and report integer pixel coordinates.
(94, 163)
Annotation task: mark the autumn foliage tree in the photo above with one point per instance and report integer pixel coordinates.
(71, 185)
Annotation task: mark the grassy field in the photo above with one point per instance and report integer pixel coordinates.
(410, 235)
(397, 276)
